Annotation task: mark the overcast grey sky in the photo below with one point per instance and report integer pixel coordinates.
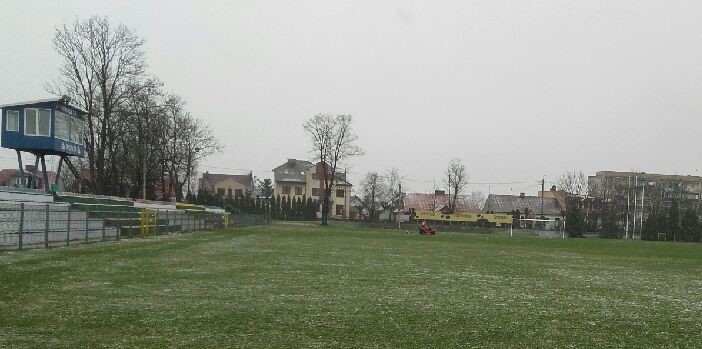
(516, 89)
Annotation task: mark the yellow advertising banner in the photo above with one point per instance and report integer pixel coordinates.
(463, 217)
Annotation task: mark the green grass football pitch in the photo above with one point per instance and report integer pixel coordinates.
(301, 286)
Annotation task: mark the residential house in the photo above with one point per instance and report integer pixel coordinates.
(297, 178)
(356, 207)
(226, 184)
(590, 206)
(439, 201)
(11, 177)
(291, 178)
(529, 207)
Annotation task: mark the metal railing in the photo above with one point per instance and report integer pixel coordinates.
(247, 219)
(39, 225)
(32, 225)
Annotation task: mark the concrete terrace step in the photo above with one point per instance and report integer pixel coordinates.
(104, 207)
(94, 199)
(134, 230)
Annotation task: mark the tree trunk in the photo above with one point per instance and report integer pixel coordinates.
(325, 207)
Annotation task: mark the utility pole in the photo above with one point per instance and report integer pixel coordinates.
(399, 203)
(433, 196)
(542, 203)
(643, 194)
(543, 179)
(628, 189)
(636, 188)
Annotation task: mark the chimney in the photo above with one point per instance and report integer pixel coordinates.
(439, 192)
(521, 195)
(290, 163)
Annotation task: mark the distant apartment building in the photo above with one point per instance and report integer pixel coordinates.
(226, 184)
(646, 190)
(297, 178)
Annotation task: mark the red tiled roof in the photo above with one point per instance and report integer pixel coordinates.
(208, 180)
(509, 203)
(432, 202)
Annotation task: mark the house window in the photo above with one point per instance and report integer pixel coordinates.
(339, 210)
(286, 189)
(340, 193)
(229, 192)
(220, 191)
(12, 121)
(238, 192)
(315, 191)
(315, 176)
(37, 122)
(298, 190)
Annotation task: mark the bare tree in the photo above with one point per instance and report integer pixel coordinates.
(140, 141)
(573, 183)
(141, 135)
(199, 144)
(478, 197)
(333, 141)
(99, 62)
(456, 179)
(372, 192)
(393, 189)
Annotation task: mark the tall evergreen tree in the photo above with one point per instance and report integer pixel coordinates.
(653, 225)
(609, 228)
(265, 206)
(236, 203)
(575, 225)
(275, 209)
(690, 226)
(301, 207)
(309, 210)
(259, 207)
(294, 207)
(674, 221)
(265, 188)
(284, 208)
